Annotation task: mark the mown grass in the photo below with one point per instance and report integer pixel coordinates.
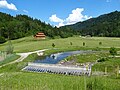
(30, 44)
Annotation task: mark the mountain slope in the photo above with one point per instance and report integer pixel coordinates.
(104, 25)
(23, 25)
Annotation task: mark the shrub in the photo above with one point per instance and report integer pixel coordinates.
(2, 40)
(53, 45)
(113, 51)
(100, 43)
(102, 59)
(71, 43)
(83, 43)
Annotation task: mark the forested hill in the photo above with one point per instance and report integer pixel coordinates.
(104, 25)
(23, 25)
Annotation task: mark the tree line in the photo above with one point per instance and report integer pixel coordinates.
(107, 25)
(23, 25)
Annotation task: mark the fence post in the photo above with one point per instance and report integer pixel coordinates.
(84, 82)
(105, 70)
(117, 71)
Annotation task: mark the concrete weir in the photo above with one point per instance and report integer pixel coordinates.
(58, 69)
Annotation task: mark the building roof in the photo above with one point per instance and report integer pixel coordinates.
(40, 35)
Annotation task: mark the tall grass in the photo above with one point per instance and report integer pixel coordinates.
(42, 81)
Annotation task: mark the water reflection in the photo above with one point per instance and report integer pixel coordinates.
(55, 58)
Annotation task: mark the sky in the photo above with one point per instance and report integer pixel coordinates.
(60, 12)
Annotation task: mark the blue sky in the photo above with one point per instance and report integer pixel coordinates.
(59, 12)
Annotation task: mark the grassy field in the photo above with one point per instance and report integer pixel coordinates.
(111, 65)
(15, 79)
(12, 78)
(30, 44)
(43, 81)
(88, 57)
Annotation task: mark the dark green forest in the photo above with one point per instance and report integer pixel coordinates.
(107, 25)
(14, 27)
(23, 25)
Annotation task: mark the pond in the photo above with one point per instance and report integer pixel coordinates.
(55, 58)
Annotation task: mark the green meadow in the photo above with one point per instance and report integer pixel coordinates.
(30, 44)
(12, 78)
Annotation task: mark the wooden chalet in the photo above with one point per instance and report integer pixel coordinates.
(40, 35)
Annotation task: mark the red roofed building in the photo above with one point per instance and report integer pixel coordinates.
(40, 35)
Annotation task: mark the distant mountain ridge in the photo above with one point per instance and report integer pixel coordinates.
(104, 25)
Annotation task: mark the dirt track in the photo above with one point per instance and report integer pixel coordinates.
(23, 56)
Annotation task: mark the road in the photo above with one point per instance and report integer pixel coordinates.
(23, 56)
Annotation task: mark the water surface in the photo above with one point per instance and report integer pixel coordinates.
(55, 58)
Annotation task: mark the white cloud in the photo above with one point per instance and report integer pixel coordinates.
(54, 18)
(5, 4)
(25, 11)
(74, 17)
(60, 24)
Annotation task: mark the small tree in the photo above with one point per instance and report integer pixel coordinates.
(71, 43)
(100, 43)
(9, 48)
(2, 40)
(53, 45)
(83, 43)
(113, 51)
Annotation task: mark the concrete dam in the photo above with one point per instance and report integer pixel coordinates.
(58, 69)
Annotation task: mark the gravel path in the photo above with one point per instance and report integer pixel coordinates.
(23, 56)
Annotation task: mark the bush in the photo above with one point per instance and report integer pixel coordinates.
(96, 49)
(113, 51)
(100, 43)
(83, 43)
(102, 59)
(71, 43)
(2, 40)
(53, 45)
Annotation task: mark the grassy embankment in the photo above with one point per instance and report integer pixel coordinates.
(15, 79)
